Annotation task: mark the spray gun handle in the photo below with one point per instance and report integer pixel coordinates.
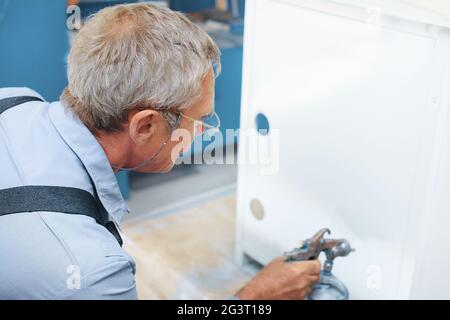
(309, 249)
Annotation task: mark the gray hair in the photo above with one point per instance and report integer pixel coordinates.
(136, 55)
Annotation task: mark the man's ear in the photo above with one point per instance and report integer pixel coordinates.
(142, 125)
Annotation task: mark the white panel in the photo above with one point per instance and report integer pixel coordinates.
(357, 107)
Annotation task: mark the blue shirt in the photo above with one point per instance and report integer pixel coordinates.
(50, 255)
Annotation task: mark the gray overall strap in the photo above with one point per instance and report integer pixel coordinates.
(55, 199)
(49, 198)
(8, 103)
(52, 198)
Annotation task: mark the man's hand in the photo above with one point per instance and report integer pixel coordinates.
(282, 280)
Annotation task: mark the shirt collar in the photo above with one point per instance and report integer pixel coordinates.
(90, 152)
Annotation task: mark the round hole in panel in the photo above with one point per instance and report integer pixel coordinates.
(257, 209)
(262, 124)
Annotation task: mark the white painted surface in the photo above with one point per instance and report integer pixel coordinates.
(361, 106)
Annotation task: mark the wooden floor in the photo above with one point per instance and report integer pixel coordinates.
(187, 255)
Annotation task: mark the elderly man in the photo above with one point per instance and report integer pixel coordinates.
(136, 74)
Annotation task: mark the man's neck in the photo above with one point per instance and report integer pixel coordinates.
(116, 147)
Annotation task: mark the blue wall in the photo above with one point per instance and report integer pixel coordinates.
(191, 6)
(197, 5)
(33, 45)
(91, 7)
(228, 88)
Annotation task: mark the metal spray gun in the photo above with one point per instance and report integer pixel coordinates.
(329, 287)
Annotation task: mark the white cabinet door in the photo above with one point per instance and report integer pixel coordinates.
(357, 101)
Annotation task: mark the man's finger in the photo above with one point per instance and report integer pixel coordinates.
(310, 267)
